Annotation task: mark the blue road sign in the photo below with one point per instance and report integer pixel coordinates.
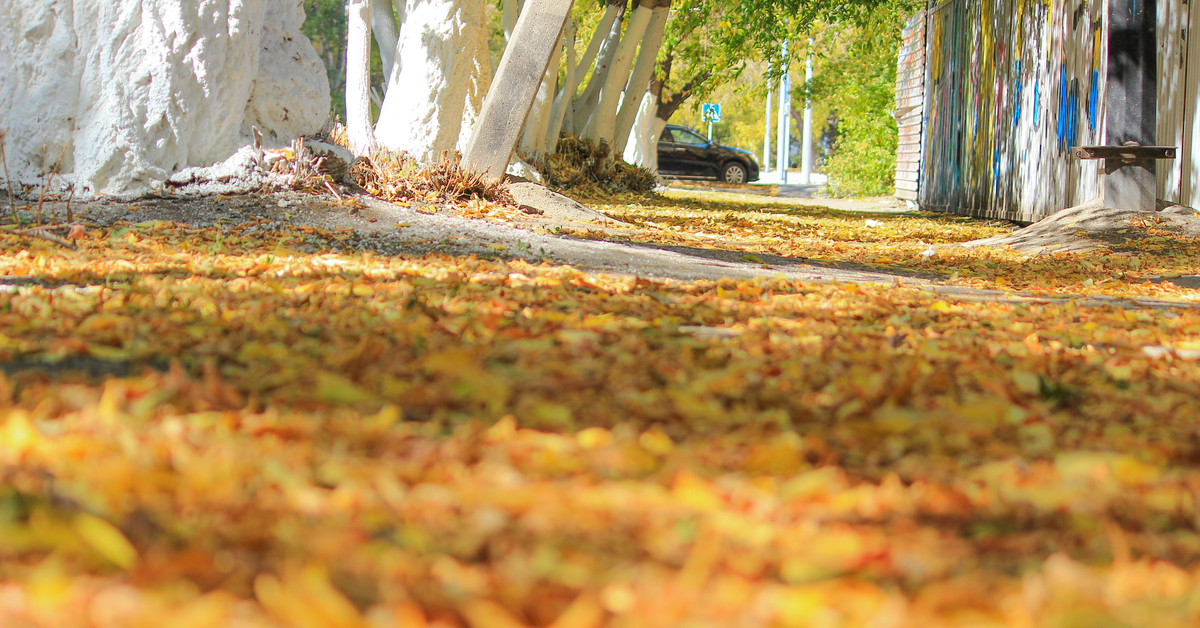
(710, 112)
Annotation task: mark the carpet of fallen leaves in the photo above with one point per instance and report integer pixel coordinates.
(1141, 261)
(347, 440)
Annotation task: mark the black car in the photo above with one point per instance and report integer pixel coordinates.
(684, 152)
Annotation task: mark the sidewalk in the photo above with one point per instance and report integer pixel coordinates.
(813, 194)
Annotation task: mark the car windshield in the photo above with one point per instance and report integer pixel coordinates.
(683, 136)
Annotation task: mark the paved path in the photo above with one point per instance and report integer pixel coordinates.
(393, 230)
(794, 194)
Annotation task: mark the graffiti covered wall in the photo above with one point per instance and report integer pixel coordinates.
(1011, 86)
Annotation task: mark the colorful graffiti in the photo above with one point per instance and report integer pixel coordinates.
(992, 146)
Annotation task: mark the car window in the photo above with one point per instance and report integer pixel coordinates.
(666, 136)
(688, 137)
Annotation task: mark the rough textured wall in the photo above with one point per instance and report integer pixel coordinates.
(1012, 85)
(122, 93)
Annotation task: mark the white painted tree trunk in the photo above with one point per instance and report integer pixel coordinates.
(519, 74)
(533, 136)
(559, 108)
(639, 81)
(611, 12)
(602, 122)
(358, 76)
(587, 101)
(399, 8)
(383, 25)
(642, 149)
(481, 79)
(120, 94)
(437, 73)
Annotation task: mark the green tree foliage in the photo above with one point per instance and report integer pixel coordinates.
(711, 43)
(325, 26)
(856, 83)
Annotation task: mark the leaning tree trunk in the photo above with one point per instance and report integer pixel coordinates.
(603, 120)
(564, 102)
(583, 106)
(358, 76)
(437, 66)
(518, 76)
(559, 108)
(643, 71)
(106, 93)
(533, 136)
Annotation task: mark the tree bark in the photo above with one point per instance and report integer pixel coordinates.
(639, 81)
(586, 102)
(602, 122)
(512, 92)
(118, 96)
(358, 76)
(561, 101)
(437, 67)
(533, 136)
(642, 147)
(668, 105)
(612, 11)
(477, 87)
(383, 25)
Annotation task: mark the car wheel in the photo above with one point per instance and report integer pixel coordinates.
(733, 172)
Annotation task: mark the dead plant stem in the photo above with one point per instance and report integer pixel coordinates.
(7, 181)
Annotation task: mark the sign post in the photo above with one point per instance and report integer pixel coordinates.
(712, 113)
(766, 160)
(784, 142)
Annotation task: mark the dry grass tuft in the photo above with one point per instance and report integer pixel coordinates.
(397, 177)
(583, 167)
(307, 172)
(336, 134)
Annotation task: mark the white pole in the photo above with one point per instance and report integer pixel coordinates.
(806, 145)
(784, 113)
(767, 135)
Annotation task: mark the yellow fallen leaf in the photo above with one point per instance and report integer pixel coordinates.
(695, 492)
(105, 539)
(487, 614)
(334, 388)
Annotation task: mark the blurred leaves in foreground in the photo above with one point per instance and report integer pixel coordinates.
(342, 439)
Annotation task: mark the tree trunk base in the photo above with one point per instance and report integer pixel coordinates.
(555, 206)
(1092, 226)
